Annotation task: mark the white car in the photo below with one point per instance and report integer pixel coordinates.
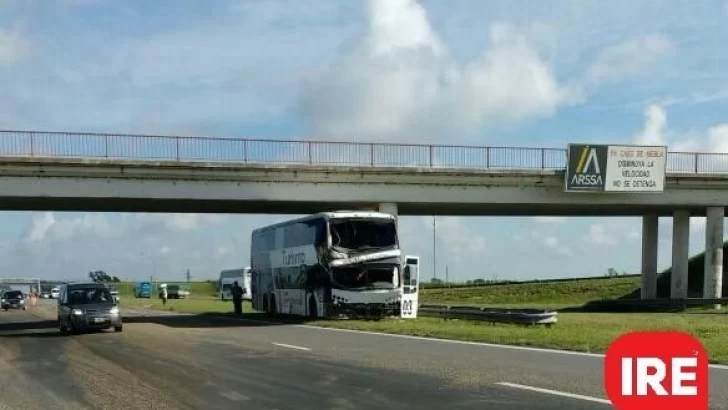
(54, 293)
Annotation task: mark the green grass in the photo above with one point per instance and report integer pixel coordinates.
(696, 273)
(586, 332)
(544, 294)
(197, 289)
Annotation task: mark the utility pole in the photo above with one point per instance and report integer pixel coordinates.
(188, 276)
(434, 248)
(447, 275)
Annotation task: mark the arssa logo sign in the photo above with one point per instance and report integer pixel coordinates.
(657, 370)
(586, 170)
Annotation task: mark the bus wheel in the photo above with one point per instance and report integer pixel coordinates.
(312, 307)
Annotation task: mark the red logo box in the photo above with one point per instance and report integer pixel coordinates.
(657, 370)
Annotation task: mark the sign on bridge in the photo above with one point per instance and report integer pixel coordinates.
(615, 168)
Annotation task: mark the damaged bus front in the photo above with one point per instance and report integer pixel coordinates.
(328, 264)
(364, 263)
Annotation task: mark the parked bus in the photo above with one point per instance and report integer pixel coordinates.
(331, 264)
(230, 276)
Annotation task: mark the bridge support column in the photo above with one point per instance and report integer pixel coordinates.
(649, 256)
(390, 208)
(713, 278)
(680, 254)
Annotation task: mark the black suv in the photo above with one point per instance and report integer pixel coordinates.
(13, 299)
(87, 306)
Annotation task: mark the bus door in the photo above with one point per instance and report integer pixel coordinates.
(410, 287)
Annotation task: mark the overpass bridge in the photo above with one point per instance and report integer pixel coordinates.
(143, 173)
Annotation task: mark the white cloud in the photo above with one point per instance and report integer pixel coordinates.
(653, 132)
(555, 244)
(462, 243)
(39, 226)
(127, 245)
(190, 221)
(550, 219)
(400, 80)
(12, 47)
(45, 227)
(598, 235)
(628, 58)
(535, 241)
(718, 138)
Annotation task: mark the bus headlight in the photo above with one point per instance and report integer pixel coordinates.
(77, 312)
(114, 311)
(395, 277)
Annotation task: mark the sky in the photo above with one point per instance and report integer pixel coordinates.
(476, 72)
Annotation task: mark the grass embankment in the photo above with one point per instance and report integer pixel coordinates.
(587, 332)
(696, 274)
(550, 295)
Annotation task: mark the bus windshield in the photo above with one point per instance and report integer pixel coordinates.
(363, 234)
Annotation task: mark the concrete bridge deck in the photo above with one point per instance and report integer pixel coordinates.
(177, 186)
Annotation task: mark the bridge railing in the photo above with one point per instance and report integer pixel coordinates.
(260, 150)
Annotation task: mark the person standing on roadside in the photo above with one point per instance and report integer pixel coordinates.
(237, 292)
(164, 294)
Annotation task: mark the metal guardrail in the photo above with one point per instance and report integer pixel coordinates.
(302, 152)
(493, 315)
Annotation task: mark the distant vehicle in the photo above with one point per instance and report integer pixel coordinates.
(176, 292)
(143, 290)
(54, 293)
(46, 294)
(87, 306)
(331, 264)
(114, 293)
(229, 277)
(13, 299)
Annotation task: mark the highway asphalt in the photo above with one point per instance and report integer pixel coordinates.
(168, 361)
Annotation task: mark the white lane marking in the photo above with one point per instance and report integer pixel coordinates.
(235, 396)
(464, 342)
(555, 393)
(292, 346)
(461, 342)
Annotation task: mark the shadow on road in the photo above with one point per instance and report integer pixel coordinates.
(40, 327)
(214, 319)
(27, 325)
(48, 334)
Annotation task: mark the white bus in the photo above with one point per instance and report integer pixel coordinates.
(331, 264)
(229, 277)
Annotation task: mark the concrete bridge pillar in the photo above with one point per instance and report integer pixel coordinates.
(713, 279)
(649, 256)
(390, 208)
(680, 254)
